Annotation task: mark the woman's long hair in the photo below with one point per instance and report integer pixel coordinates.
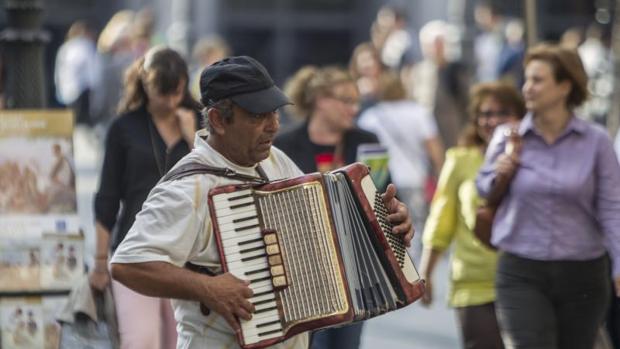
(161, 67)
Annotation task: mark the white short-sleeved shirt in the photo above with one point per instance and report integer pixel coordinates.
(402, 127)
(174, 227)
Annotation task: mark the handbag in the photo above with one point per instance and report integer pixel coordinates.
(485, 214)
(88, 319)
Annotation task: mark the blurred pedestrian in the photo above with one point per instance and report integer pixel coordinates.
(75, 72)
(327, 100)
(365, 67)
(440, 81)
(398, 47)
(562, 209)
(452, 218)
(115, 54)
(571, 38)
(596, 56)
(510, 60)
(156, 127)
(409, 132)
(489, 41)
(206, 51)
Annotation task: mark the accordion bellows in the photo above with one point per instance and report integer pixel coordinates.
(317, 249)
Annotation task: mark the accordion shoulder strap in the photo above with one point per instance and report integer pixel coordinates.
(193, 168)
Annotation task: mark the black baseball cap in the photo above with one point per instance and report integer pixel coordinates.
(245, 81)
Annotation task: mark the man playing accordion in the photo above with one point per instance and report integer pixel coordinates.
(174, 227)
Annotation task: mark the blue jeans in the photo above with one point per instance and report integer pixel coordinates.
(347, 337)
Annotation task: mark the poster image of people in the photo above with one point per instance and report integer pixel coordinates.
(19, 266)
(62, 260)
(36, 176)
(37, 171)
(21, 321)
(52, 306)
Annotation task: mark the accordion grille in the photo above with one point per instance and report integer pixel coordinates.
(299, 216)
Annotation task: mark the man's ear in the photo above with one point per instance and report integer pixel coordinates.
(216, 121)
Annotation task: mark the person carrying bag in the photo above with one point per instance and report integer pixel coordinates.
(485, 214)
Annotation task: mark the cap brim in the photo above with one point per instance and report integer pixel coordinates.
(263, 101)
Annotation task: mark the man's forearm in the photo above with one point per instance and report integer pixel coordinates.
(160, 279)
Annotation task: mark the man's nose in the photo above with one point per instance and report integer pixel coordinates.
(272, 122)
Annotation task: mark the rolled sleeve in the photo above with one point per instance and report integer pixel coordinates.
(108, 197)
(486, 174)
(169, 227)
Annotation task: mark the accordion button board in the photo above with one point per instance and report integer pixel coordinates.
(318, 252)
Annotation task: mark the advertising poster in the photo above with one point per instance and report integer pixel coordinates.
(20, 263)
(37, 173)
(30, 323)
(62, 261)
(21, 321)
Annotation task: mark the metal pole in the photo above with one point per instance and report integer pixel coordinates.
(23, 43)
(613, 119)
(531, 22)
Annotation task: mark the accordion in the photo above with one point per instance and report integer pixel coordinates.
(318, 252)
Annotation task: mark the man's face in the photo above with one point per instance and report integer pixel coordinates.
(247, 138)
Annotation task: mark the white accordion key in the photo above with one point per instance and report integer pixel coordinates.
(236, 239)
(247, 265)
(244, 245)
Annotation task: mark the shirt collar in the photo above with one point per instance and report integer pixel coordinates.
(574, 125)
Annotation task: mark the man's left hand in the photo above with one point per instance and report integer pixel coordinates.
(398, 215)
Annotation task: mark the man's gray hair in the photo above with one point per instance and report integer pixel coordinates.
(224, 106)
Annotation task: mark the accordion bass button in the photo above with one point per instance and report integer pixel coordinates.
(277, 270)
(273, 249)
(270, 239)
(275, 259)
(279, 281)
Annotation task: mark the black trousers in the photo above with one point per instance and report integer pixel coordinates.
(613, 319)
(551, 304)
(478, 325)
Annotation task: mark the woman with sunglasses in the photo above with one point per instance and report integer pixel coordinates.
(452, 217)
(328, 101)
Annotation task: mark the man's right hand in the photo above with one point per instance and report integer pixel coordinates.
(228, 296)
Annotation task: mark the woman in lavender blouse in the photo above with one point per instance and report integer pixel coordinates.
(561, 215)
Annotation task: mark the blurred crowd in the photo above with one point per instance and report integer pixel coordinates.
(413, 93)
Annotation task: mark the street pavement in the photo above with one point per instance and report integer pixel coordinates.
(413, 327)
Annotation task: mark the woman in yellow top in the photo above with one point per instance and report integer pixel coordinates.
(453, 213)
